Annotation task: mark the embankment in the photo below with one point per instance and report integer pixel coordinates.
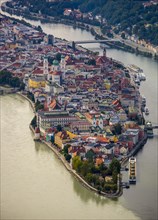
(77, 176)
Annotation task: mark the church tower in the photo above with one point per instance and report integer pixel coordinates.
(37, 130)
(94, 121)
(49, 99)
(63, 66)
(45, 66)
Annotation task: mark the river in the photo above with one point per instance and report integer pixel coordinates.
(35, 184)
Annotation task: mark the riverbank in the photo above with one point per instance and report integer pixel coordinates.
(25, 97)
(135, 150)
(7, 90)
(124, 45)
(77, 176)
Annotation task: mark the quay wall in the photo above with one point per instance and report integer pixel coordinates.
(31, 103)
(135, 150)
(69, 168)
(76, 175)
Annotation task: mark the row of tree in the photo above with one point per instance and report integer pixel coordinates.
(95, 175)
(6, 78)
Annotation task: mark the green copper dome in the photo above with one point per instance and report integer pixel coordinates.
(55, 63)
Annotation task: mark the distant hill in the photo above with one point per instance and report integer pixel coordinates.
(138, 17)
(133, 16)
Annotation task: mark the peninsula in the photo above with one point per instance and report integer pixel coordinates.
(88, 108)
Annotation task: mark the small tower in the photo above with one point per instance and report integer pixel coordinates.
(104, 52)
(45, 66)
(100, 122)
(62, 63)
(94, 121)
(37, 130)
(49, 99)
(37, 134)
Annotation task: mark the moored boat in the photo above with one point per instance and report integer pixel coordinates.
(150, 133)
(138, 72)
(146, 111)
(132, 170)
(135, 68)
(149, 129)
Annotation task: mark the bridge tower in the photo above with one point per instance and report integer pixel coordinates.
(73, 45)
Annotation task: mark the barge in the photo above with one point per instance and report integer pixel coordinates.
(132, 170)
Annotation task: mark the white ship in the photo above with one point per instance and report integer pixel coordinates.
(137, 71)
(132, 170)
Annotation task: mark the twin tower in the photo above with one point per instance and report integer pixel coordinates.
(57, 70)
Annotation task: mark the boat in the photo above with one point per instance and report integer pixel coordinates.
(146, 111)
(143, 101)
(138, 72)
(148, 125)
(149, 129)
(150, 133)
(134, 68)
(137, 81)
(142, 77)
(132, 170)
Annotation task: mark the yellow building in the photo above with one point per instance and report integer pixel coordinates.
(61, 138)
(36, 83)
(71, 135)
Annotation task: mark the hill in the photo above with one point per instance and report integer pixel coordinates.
(133, 17)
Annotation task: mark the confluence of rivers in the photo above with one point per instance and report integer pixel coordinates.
(36, 185)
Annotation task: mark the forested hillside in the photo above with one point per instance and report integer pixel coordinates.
(128, 15)
(131, 16)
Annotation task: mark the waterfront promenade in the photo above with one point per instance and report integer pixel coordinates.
(135, 150)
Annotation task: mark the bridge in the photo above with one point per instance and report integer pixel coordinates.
(155, 127)
(73, 43)
(95, 41)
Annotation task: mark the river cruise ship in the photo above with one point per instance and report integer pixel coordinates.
(137, 71)
(132, 170)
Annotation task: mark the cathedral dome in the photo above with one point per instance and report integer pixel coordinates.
(55, 63)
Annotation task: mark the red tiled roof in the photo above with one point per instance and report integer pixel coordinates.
(56, 73)
(37, 71)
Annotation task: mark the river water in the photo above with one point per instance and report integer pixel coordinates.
(36, 185)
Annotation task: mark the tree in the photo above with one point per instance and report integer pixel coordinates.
(77, 163)
(114, 175)
(68, 157)
(58, 56)
(65, 149)
(89, 177)
(59, 127)
(33, 122)
(115, 165)
(30, 96)
(92, 62)
(123, 35)
(90, 155)
(117, 128)
(38, 105)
